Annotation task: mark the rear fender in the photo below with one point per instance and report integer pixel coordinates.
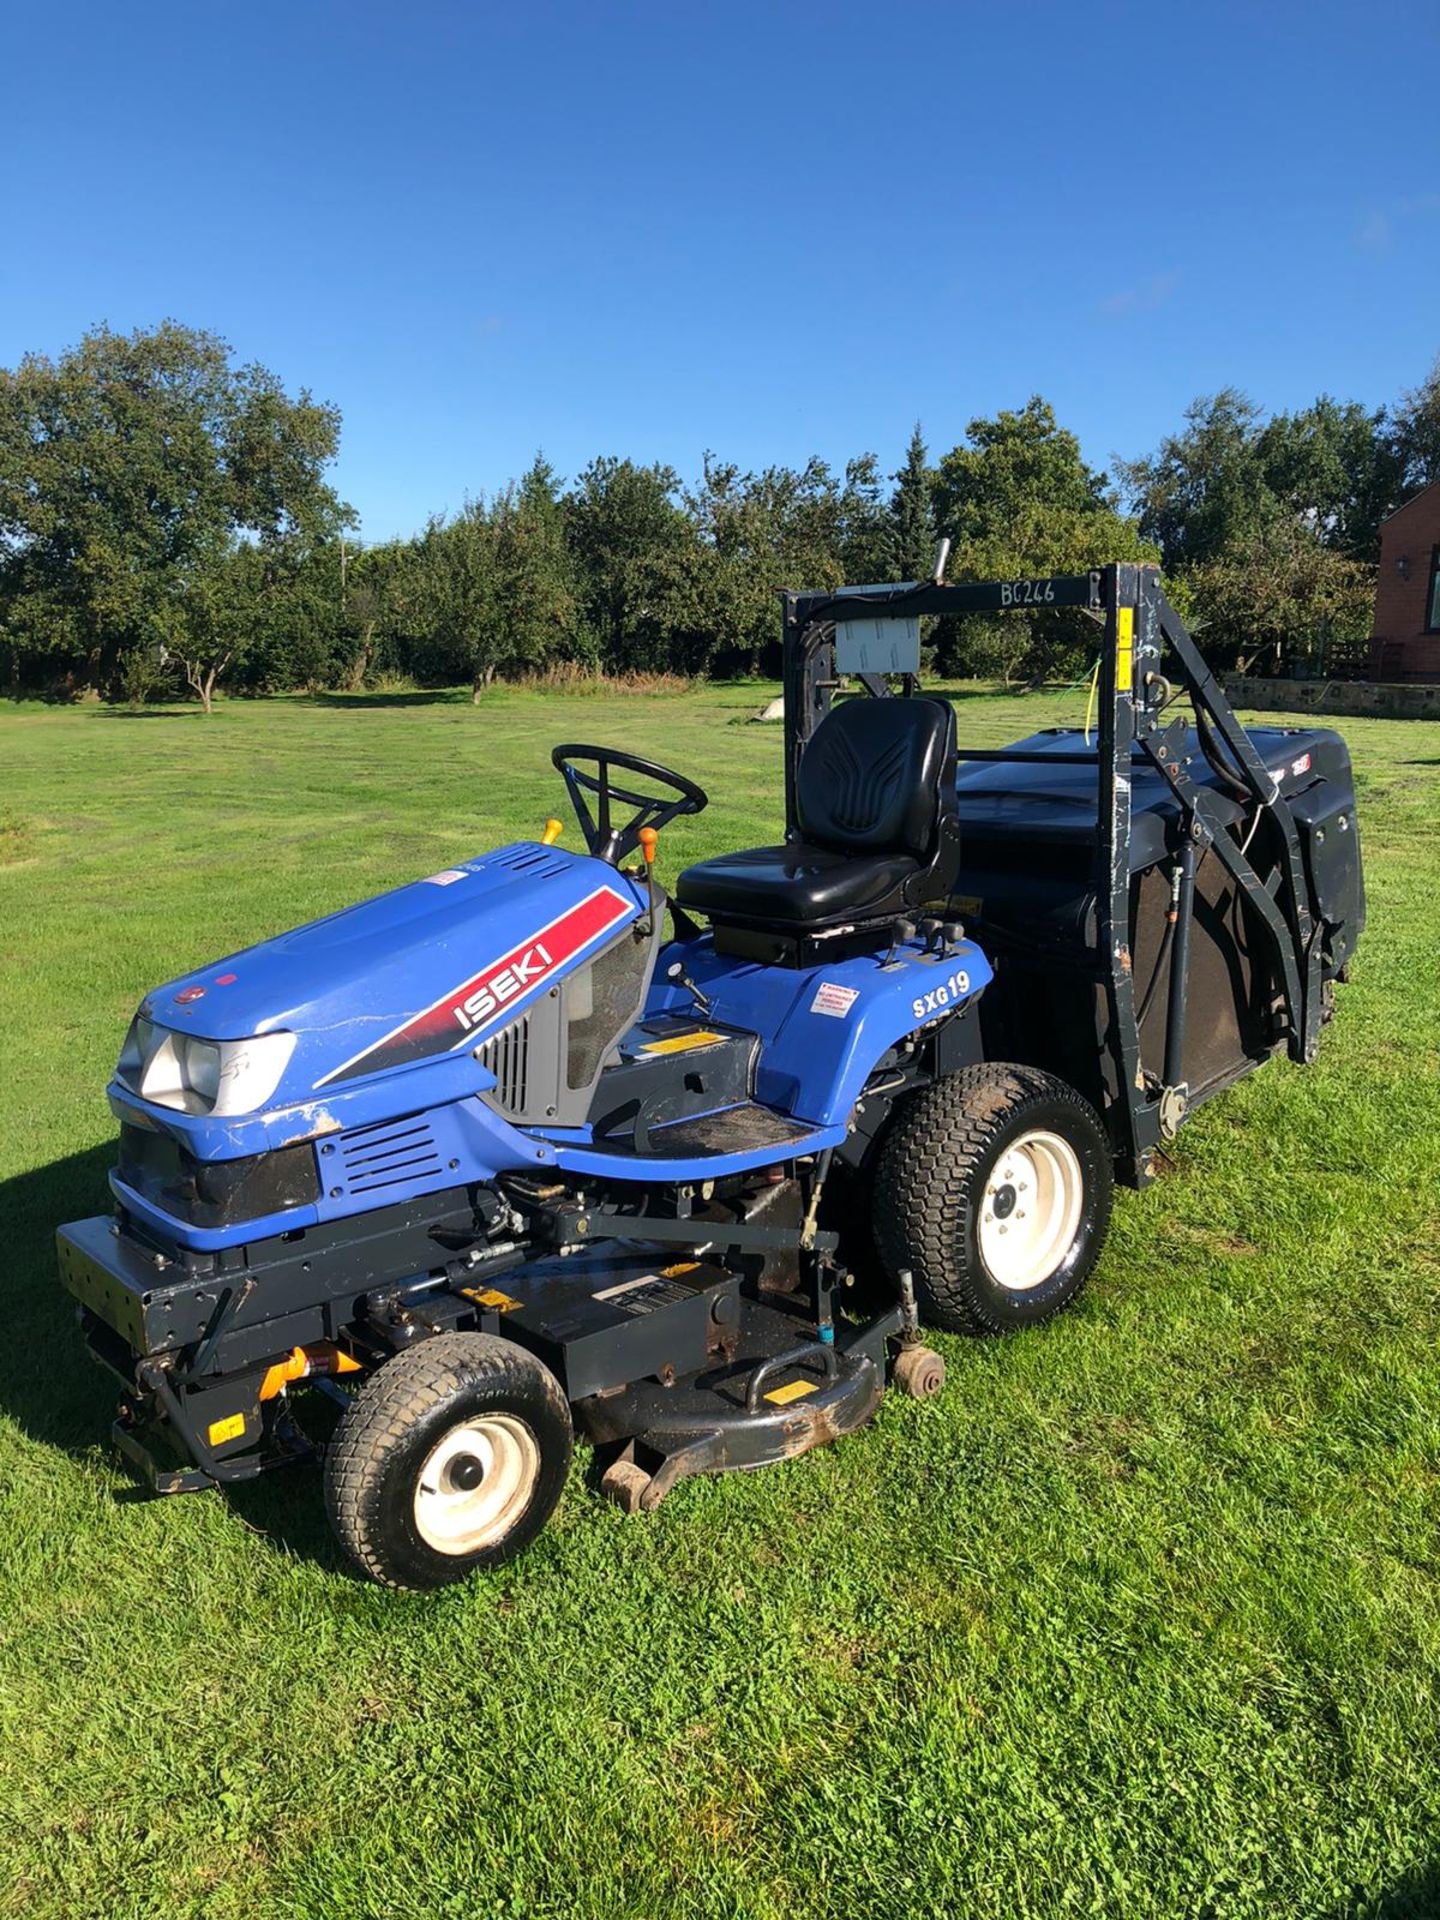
(824, 1029)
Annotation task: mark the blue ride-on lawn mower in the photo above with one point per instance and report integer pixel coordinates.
(525, 1146)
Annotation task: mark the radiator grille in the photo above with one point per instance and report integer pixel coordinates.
(388, 1154)
(507, 1055)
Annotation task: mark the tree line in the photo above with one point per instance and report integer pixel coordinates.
(166, 521)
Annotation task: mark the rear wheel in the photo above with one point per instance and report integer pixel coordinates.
(451, 1457)
(993, 1188)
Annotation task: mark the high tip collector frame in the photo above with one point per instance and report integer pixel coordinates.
(1147, 657)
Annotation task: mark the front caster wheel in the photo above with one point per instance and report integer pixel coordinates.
(993, 1187)
(625, 1484)
(451, 1457)
(919, 1372)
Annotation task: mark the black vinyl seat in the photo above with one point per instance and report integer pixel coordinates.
(795, 883)
(874, 832)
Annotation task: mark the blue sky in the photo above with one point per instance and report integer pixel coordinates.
(770, 230)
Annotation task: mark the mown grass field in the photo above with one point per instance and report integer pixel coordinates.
(1142, 1618)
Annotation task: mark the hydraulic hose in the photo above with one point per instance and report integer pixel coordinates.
(1210, 747)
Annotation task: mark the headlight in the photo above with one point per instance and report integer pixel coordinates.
(202, 1076)
(247, 1072)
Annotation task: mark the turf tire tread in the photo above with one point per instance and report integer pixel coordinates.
(388, 1406)
(922, 1182)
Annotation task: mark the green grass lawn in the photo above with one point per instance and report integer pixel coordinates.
(1142, 1617)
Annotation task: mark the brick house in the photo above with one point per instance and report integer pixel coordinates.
(1406, 642)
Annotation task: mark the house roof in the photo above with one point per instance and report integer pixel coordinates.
(1414, 501)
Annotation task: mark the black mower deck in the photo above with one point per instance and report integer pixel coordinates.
(776, 1393)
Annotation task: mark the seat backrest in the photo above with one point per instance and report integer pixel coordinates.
(871, 776)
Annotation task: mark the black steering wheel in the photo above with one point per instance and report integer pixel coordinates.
(603, 838)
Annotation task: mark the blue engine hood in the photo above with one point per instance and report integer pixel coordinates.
(411, 975)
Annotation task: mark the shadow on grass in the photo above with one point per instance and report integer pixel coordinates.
(288, 1506)
(425, 697)
(147, 713)
(48, 1384)
(57, 1395)
(1416, 1897)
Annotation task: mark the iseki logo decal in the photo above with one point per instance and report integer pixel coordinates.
(483, 998)
(513, 977)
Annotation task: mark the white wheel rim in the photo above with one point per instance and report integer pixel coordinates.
(476, 1483)
(1030, 1210)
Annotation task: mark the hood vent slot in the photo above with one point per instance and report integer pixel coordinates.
(389, 1154)
(507, 1055)
(536, 863)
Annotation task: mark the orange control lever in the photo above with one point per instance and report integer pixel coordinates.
(647, 837)
(321, 1356)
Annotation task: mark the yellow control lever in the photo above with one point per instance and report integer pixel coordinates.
(553, 830)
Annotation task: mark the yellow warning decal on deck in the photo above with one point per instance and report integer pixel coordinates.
(490, 1297)
(684, 1042)
(1124, 648)
(219, 1431)
(796, 1390)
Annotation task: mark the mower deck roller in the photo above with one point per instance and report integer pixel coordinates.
(524, 1146)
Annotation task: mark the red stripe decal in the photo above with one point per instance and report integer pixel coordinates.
(482, 999)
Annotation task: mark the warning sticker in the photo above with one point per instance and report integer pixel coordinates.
(685, 1042)
(446, 879)
(834, 1000)
(1302, 765)
(491, 1297)
(794, 1390)
(1124, 648)
(644, 1295)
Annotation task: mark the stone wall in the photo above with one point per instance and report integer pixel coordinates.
(1382, 699)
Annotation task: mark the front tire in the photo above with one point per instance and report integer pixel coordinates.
(993, 1188)
(451, 1457)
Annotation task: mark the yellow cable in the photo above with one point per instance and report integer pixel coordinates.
(1090, 703)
